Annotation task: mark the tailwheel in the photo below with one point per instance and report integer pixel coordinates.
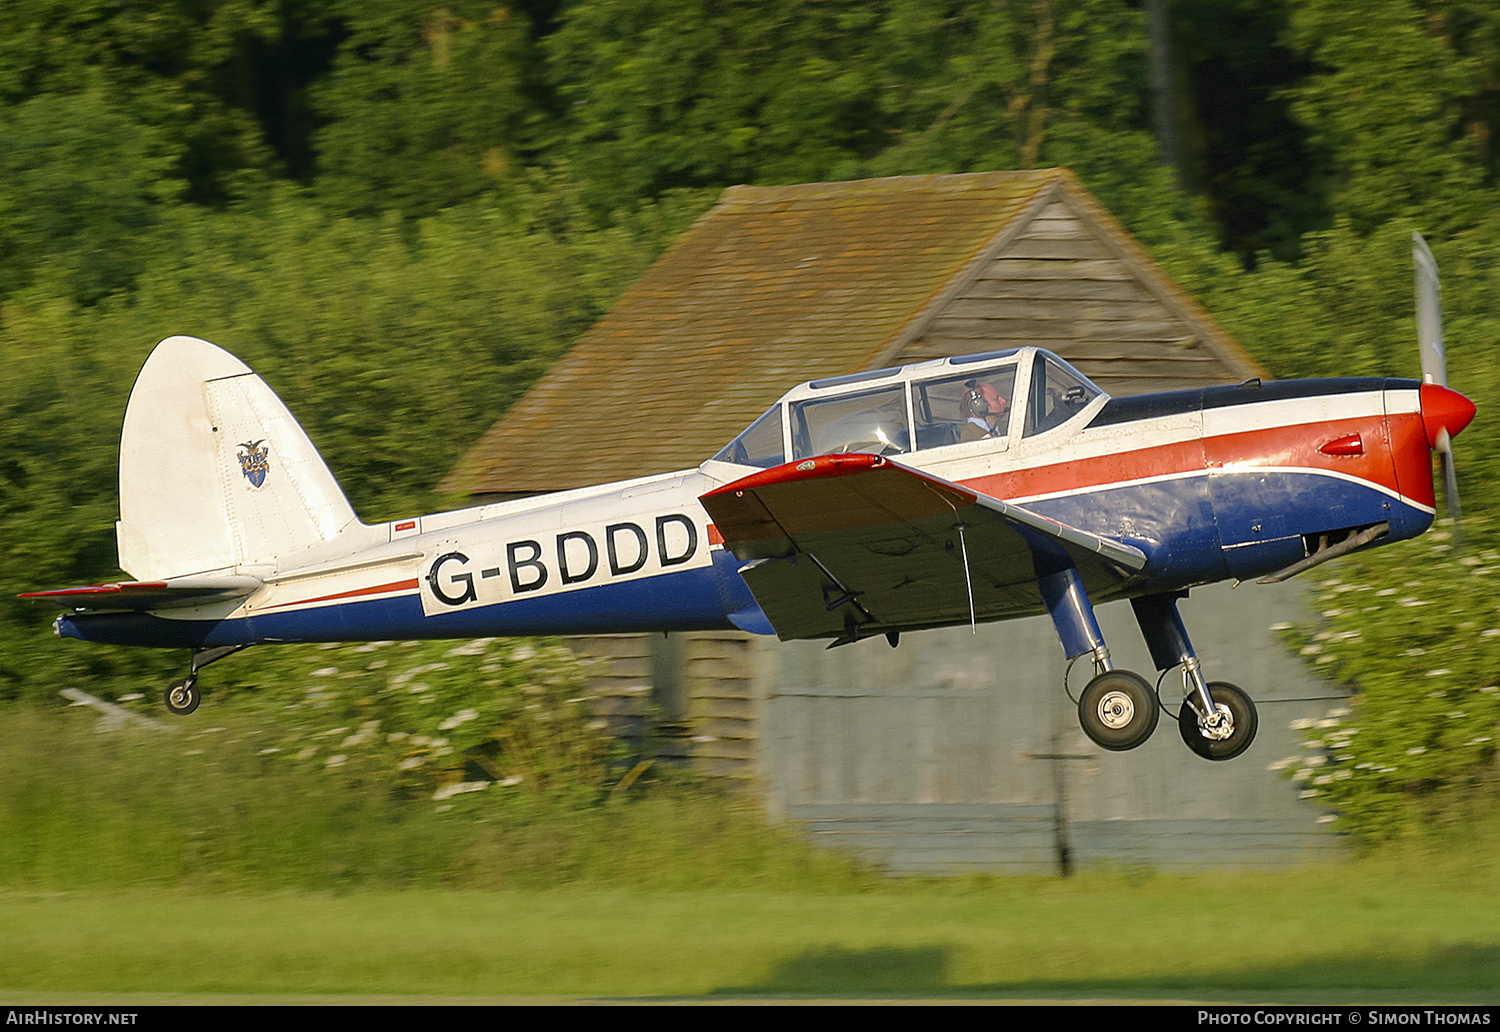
(183, 696)
(1118, 710)
(1229, 732)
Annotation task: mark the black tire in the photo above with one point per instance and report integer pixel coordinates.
(183, 697)
(1241, 713)
(1118, 710)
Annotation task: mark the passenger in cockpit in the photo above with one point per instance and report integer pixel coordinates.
(982, 411)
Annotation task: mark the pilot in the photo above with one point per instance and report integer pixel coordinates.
(983, 412)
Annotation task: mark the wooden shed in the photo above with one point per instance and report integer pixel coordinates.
(957, 750)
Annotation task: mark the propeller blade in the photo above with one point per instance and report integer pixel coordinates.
(1435, 371)
(1429, 313)
(1450, 477)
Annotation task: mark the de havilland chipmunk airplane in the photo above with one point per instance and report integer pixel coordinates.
(948, 492)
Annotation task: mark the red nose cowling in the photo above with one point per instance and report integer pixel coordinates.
(1444, 409)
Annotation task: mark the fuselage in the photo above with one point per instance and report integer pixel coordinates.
(1210, 484)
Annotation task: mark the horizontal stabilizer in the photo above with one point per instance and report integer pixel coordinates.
(164, 594)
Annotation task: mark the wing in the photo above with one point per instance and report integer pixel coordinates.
(845, 546)
(167, 594)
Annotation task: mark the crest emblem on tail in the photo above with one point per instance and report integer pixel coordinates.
(255, 462)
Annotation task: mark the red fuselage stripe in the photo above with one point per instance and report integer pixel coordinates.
(1282, 446)
(378, 589)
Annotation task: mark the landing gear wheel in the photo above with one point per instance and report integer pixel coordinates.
(1118, 710)
(183, 696)
(1234, 731)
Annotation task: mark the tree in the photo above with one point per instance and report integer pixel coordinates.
(426, 106)
(81, 185)
(1404, 102)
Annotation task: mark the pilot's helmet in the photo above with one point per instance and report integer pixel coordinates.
(982, 400)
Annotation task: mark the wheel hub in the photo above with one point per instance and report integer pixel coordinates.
(1116, 710)
(1219, 726)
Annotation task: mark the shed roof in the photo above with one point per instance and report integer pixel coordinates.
(773, 286)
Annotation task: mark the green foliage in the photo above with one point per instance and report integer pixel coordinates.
(1419, 743)
(190, 71)
(1402, 103)
(208, 804)
(434, 719)
(693, 93)
(424, 107)
(690, 93)
(275, 793)
(80, 184)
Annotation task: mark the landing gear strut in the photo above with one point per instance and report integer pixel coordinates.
(1118, 710)
(183, 696)
(1218, 720)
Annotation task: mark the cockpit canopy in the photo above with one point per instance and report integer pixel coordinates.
(999, 395)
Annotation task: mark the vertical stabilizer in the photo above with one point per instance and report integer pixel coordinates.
(215, 472)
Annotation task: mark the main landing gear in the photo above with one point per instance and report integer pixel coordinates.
(183, 696)
(1118, 709)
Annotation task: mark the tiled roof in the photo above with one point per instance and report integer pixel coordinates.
(773, 286)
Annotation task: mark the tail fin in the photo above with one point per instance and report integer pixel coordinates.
(215, 472)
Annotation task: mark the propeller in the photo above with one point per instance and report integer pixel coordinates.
(1434, 365)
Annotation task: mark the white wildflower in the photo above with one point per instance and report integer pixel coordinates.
(459, 788)
(463, 716)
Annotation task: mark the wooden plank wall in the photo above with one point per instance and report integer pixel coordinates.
(718, 733)
(619, 680)
(1058, 286)
(724, 710)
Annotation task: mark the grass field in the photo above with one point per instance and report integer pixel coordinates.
(154, 868)
(1312, 937)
